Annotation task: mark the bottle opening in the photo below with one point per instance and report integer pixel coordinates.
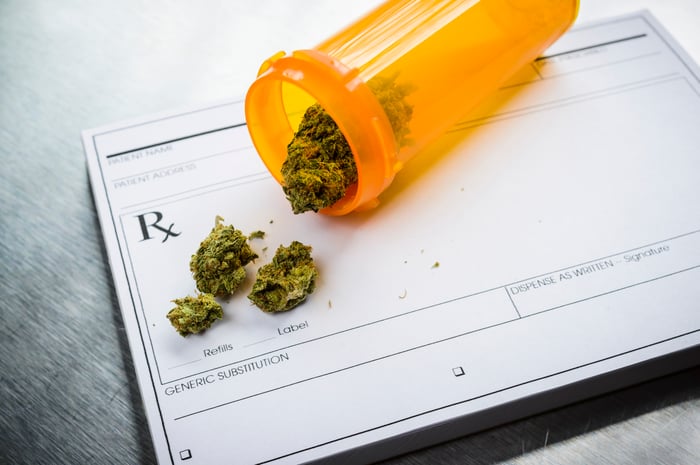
(287, 86)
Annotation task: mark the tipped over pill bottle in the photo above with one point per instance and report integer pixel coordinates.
(448, 56)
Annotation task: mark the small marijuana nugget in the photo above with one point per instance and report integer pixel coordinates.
(217, 266)
(320, 165)
(257, 235)
(194, 314)
(285, 283)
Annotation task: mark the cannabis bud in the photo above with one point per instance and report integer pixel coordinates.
(320, 165)
(194, 314)
(392, 97)
(285, 282)
(217, 266)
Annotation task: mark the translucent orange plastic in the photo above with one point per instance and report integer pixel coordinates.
(453, 54)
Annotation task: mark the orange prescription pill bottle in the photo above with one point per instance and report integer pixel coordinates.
(451, 54)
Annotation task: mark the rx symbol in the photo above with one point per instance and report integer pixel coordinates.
(155, 224)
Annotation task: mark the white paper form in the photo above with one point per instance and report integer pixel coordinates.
(552, 237)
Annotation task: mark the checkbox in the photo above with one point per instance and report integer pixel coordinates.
(458, 371)
(185, 454)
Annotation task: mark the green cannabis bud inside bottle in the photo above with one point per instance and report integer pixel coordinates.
(320, 165)
(194, 314)
(217, 266)
(285, 282)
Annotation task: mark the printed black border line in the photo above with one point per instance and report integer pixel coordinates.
(113, 220)
(589, 47)
(178, 139)
(455, 299)
(512, 302)
(480, 396)
(430, 343)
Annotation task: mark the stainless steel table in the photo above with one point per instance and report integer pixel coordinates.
(67, 388)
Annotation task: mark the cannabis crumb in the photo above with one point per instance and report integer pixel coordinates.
(256, 235)
(217, 266)
(435, 265)
(194, 314)
(330, 304)
(320, 165)
(285, 282)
